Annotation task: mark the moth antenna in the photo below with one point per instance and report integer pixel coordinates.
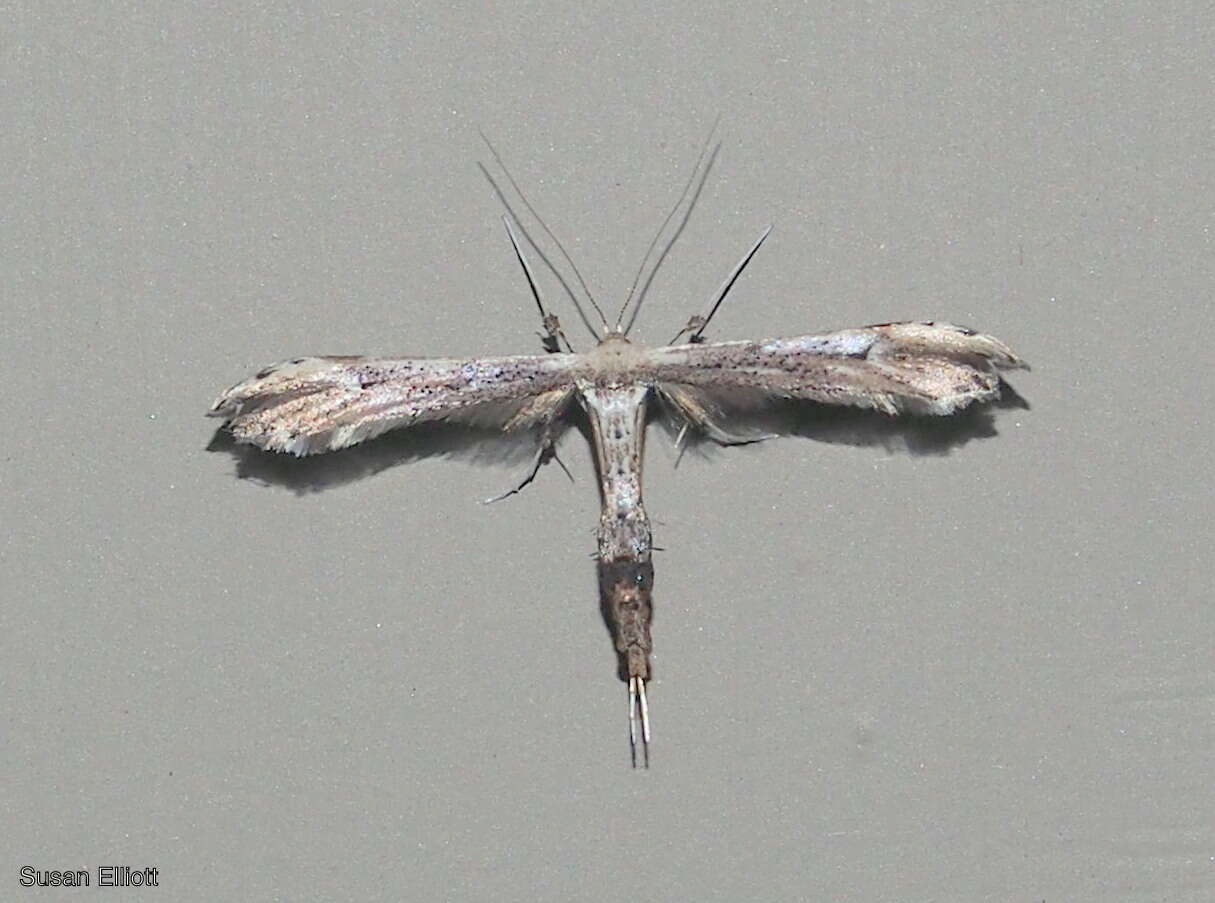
(552, 327)
(547, 231)
(727, 285)
(704, 176)
(657, 235)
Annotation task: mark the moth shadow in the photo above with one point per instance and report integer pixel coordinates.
(316, 473)
(917, 435)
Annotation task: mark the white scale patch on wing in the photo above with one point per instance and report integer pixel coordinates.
(845, 343)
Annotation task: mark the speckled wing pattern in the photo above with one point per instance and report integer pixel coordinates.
(318, 404)
(918, 368)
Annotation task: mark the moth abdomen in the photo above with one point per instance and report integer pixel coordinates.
(625, 598)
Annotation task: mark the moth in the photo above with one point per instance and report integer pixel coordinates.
(312, 405)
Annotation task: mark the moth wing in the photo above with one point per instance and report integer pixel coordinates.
(895, 368)
(318, 404)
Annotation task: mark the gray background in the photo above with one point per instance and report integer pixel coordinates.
(981, 673)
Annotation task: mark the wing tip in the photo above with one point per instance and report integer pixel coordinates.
(938, 337)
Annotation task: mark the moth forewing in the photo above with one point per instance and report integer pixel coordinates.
(318, 404)
(919, 368)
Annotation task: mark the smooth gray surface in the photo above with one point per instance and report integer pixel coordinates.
(981, 675)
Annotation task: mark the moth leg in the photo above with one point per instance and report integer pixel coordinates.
(673, 407)
(698, 412)
(633, 714)
(679, 446)
(696, 323)
(553, 335)
(545, 411)
(645, 713)
(552, 326)
(547, 452)
(637, 692)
